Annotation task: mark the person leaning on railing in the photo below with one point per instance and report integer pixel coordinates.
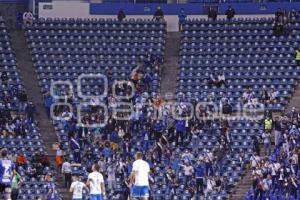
(298, 56)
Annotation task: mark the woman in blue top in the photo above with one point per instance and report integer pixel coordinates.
(50, 193)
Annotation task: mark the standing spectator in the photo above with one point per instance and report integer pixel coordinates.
(6, 174)
(121, 15)
(180, 131)
(298, 56)
(16, 182)
(230, 12)
(279, 22)
(267, 142)
(77, 188)
(188, 170)
(59, 157)
(111, 177)
(210, 184)
(294, 186)
(22, 97)
(48, 101)
(254, 160)
(67, 171)
(268, 124)
(226, 108)
(159, 14)
(258, 187)
(200, 174)
(277, 128)
(212, 14)
(75, 147)
(267, 185)
(182, 18)
(50, 190)
(30, 111)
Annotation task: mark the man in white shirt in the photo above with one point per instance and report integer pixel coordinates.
(66, 169)
(77, 188)
(254, 160)
(96, 184)
(139, 177)
(111, 178)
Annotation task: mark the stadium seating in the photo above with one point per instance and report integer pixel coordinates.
(64, 49)
(29, 142)
(10, 78)
(246, 50)
(250, 55)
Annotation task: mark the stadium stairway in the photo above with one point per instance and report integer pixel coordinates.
(295, 100)
(171, 65)
(30, 80)
(245, 183)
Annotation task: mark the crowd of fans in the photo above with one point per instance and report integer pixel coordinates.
(168, 144)
(277, 172)
(28, 163)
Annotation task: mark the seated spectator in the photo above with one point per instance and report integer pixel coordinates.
(293, 114)
(121, 15)
(27, 19)
(213, 79)
(264, 97)
(159, 14)
(21, 160)
(230, 12)
(44, 160)
(294, 14)
(221, 79)
(273, 96)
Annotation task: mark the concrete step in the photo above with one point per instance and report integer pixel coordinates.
(170, 66)
(30, 80)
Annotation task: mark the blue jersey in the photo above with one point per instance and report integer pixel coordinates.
(52, 195)
(6, 171)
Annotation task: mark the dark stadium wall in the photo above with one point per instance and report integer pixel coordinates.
(10, 8)
(190, 9)
(78, 9)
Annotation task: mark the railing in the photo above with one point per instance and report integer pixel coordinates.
(14, 1)
(196, 1)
